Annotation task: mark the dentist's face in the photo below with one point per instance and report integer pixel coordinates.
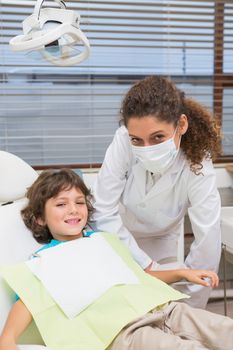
(149, 130)
(66, 214)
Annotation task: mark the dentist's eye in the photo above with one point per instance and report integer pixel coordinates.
(135, 141)
(158, 139)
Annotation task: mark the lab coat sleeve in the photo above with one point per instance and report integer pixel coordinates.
(204, 214)
(107, 191)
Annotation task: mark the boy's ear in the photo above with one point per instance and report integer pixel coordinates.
(40, 221)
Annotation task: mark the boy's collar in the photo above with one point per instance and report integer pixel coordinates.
(84, 234)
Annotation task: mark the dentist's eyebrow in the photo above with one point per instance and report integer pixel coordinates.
(153, 133)
(134, 136)
(157, 132)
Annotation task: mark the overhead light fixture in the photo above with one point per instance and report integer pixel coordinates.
(55, 33)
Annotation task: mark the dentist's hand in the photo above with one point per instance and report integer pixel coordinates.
(203, 277)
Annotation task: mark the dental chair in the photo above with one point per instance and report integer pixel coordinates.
(16, 241)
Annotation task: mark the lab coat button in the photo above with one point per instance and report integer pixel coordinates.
(142, 205)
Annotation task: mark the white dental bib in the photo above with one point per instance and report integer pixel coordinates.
(76, 273)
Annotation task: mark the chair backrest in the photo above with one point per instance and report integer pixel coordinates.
(16, 241)
(15, 176)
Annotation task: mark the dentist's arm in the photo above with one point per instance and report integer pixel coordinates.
(204, 213)
(107, 191)
(18, 320)
(194, 276)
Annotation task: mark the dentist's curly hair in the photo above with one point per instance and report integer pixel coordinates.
(48, 185)
(159, 97)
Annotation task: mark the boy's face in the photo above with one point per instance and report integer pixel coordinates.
(66, 214)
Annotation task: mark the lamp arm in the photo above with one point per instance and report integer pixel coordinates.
(39, 4)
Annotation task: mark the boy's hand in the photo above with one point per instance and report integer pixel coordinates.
(200, 276)
(7, 344)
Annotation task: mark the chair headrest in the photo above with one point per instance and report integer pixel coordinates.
(15, 177)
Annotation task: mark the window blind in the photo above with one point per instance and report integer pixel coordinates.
(226, 82)
(57, 116)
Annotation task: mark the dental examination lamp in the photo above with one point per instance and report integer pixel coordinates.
(55, 33)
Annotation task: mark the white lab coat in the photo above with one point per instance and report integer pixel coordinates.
(150, 224)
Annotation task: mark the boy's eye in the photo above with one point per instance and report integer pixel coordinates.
(60, 204)
(81, 203)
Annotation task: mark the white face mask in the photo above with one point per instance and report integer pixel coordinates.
(157, 158)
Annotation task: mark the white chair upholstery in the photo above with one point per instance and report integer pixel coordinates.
(15, 177)
(16, 241)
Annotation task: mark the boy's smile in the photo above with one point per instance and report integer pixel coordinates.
(66, 214)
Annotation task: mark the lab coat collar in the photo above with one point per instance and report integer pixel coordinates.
(166, 181)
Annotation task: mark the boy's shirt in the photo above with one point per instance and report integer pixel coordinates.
(96, 326)
(55, 242)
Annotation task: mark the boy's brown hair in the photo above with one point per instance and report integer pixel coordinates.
(48, 185)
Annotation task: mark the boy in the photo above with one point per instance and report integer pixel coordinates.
(137, 315)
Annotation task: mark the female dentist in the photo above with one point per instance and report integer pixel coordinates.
(158, 168)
